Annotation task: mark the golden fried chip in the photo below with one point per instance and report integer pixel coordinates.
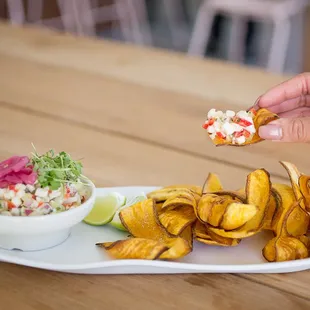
(224, 212)
(292, 220)
(262, 118)
(141, 221)
(280, 249)
(135, 248)
(233, 242)
(297, 221)
(179, 246)
(294, 176)
(161, 195)
(180, 200)
(193, 188)
(258, 189)
(305, 190)
(176, 220)
(212, 184)
(236, 215)
(200, 231)
(211, 208)
(202, 234)
(234, 195)
(223, 240)
(290, 224)
(272, 210)
(306, 241)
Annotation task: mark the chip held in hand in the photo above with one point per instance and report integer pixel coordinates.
(236, 129)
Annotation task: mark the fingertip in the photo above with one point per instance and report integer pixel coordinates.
(264, 102)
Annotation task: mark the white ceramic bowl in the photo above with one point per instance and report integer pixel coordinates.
(33, 233)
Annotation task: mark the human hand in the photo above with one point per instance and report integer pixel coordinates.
(291, 101)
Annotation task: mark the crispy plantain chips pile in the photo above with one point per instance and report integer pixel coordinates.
(165, 224)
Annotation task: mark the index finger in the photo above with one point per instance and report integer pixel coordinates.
(290, 89)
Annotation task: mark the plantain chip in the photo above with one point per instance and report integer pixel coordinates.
(223, 240)
(210, 209)
(303, 183)
(297, 221)
(212, 184)
(272, 211)
(262, 118)
(184, 199)
(306, 241)
(290, 224)
(193, 188)
(200, 231)
(180, 246)
(231, 242)
(280, 249)
(236, 215)
(292, 220)
(294, 176)
(161, 195)
(176, 220)
(234, 195)
(258, 188)
(279, 205)
(134, 248)
(142, 221)
(202, 234)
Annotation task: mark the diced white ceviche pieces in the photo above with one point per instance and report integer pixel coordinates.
(41, 184)
(233, 127)
(21, 200)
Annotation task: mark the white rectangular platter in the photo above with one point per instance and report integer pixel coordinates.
(79, 254)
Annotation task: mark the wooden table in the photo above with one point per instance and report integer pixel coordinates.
(135, 117)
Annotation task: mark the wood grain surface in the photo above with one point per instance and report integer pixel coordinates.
(134, 115)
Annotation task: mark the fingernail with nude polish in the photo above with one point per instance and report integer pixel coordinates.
(270, 132)
(255, 106)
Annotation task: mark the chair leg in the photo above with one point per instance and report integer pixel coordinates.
(279, 46)
(70, 16)
(124, 22)
(135, 22)
(143, 19)
(173, 11)
(35, 11)
(236, 46)
(202, 30)
(16, 12)
(86, 19)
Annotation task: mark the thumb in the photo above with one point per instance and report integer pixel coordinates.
(287, 130)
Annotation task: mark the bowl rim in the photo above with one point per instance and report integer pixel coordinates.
(54, 215)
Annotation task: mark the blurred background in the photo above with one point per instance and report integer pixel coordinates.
(271, 34)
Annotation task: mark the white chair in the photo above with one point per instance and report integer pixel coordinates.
(278, 12)
(81, 17)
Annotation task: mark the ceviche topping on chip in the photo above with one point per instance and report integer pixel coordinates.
(241, 128)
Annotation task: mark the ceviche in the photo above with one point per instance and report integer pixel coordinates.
(231, 126)
(41, 184)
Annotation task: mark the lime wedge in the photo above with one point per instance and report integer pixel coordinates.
(104, 209)
(116, 222)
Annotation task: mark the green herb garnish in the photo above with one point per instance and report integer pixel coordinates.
(56, 169)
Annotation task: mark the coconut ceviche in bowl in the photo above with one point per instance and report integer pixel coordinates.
(42, 197)
(41, 184)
